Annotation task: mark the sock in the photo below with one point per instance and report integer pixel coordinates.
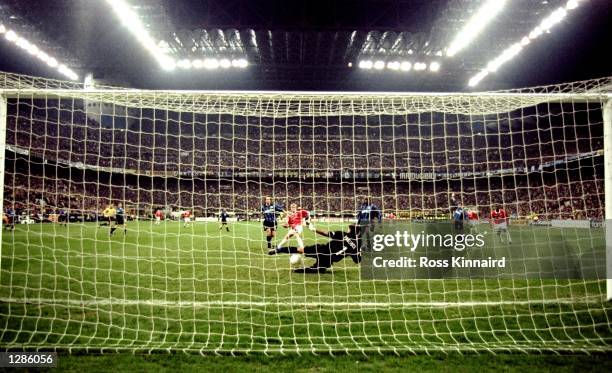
(281, 243)
(269, 239)
(112, 230)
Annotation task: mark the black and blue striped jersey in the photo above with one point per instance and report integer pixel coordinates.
(368, 213)
(271, 212)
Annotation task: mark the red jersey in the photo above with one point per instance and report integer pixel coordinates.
(297, 218)
(472, 215)
(187, 214)
(158, 213)
(499, 216)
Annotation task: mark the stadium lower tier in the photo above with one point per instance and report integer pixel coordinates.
(35, 186)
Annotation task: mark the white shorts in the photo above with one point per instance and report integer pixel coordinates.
(500, 227)
(297, 230)
(187, 220)
(157, 218)
(473, 222)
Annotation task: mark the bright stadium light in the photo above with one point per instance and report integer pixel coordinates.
(52, 62)
(64, 70)
(393, 65)
(419, 66)
(366, 64)
(571, 4)
(211, 63)
(132, 22)
(197, 64)
(11, 35)
(35, 51)
(475, 25)
(434, 66)
(225, 63)
(525, 40)
(379, 65)
(184, 64)
(89, 82)
(240, 62)
(513, 50)
(405, 66)
(477, 78)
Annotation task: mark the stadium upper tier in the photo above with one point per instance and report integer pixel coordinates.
(162, 143)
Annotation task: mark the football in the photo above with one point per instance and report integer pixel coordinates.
(296, 260)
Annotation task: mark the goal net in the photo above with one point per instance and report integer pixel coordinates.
(78, 161)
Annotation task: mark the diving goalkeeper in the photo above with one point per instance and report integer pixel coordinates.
(342, 244)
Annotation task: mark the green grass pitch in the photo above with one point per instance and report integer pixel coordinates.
(197, 289)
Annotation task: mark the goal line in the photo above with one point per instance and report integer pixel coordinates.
(289, 304)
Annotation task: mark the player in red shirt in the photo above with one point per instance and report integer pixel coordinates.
(499, 220)
(472, 216)
(295, 222)
(187, 217)
(158, 216)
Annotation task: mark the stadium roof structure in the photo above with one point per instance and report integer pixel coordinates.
(308, 45)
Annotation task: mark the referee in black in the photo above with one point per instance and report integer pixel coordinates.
(341, 244)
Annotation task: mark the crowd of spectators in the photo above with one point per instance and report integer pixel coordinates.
(148, 147)
(38, 193)
(155, 146)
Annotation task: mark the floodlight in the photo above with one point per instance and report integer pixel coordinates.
(365, 64)
(477, 78)
(379, 65)
(525, 40)
(475, 25)
(184, 64)
(198, 64)
(132, 22)
(434, 66)
(10, 35)
(571, 4)
(242, 63)
(393, 65)
(405, 66)
(211, 63)
(225, 63)
(547, 23)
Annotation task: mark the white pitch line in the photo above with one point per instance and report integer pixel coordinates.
(284, 303)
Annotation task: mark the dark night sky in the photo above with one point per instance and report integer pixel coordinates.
(87, 35)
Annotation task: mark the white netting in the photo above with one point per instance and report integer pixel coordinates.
(70, 152)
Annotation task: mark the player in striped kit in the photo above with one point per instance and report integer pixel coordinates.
(270, 212)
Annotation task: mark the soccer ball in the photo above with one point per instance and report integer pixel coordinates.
(296, 260)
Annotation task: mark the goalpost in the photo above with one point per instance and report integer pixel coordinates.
(542, 153)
